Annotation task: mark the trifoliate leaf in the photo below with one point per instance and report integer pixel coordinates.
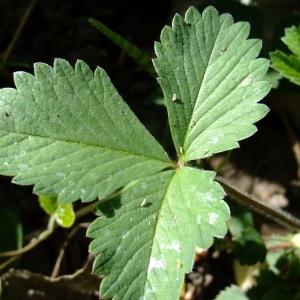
(146, 239)
(68, 132)
(63, 213)
(232, 293)
(211, 81)
(288, 65)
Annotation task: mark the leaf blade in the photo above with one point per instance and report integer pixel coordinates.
(66, 131)
(292, 39)
(207, 64)
(63, 213)
(287, 65)
(149, 252)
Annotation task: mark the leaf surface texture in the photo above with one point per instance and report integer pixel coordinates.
(67, 131)
(146, 239)
(211, 81)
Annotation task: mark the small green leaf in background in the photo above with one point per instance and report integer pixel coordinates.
(232, 293)
(280, 278)
(11, 231)
(288, 65)
(248, 246)
(63, 213)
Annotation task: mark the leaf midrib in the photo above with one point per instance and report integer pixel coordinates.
(158, 218)
(86, 144)
(201, 83)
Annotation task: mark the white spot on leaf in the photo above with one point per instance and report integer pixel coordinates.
(60, 174)
(23, 166)
(212, 218)
(198, 219)
(214, 140)
(175, 246)
(156, 264)
(247, 81)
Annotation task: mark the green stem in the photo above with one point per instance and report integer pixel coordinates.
(276, 215)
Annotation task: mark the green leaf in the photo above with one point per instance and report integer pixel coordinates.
(211, 82)
(248, 245)
(68, 132)
(138, 55)
(232, 293)
(292, 39)
(288, 65)
(63, 213)
(146, 239)
(273, 77)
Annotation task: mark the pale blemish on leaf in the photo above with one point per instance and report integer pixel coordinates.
(61, 174)
(212, 218)
(175, 246)
(247, 81)
(144, 202)
(198, 219)
(23, 167)
(174, 97)
(156, 264)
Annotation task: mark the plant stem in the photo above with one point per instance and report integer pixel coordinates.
(62, 251)
(9, 261)
(276, 215)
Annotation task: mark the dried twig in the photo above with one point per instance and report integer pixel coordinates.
(276, 215)
(62, 251)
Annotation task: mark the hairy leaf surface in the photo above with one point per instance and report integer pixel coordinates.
(68, 132)
(146, 239)
(211, 81)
